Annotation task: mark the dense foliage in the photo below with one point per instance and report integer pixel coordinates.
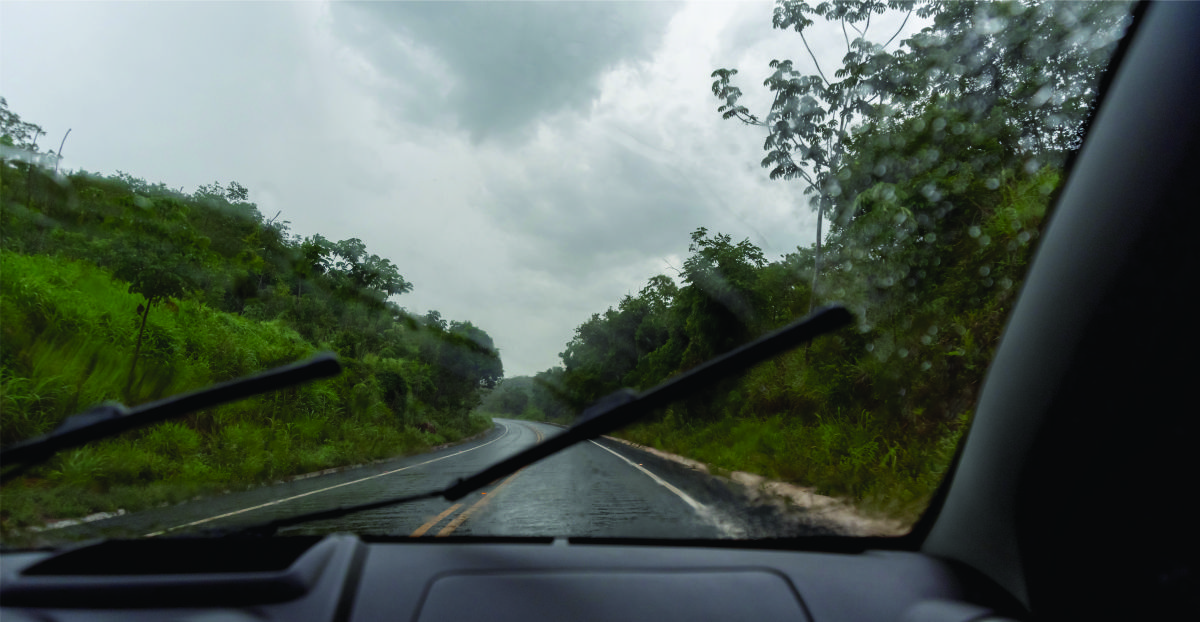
(115, 288)
(935, 164)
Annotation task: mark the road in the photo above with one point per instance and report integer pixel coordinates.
(598, 489)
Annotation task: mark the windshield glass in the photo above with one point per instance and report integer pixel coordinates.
(498, 213)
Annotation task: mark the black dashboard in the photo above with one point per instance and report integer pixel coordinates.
(341, 577)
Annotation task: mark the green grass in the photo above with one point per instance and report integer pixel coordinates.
(883, 472)
(67, 334)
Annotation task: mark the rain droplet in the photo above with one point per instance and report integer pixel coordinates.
(1041, 96)
(926, 340)
(973, 231)
(985, 240)
(985, 270)
(992, 183)
(926, 365)
(903, 353)
(939, 123)
(1023, 237)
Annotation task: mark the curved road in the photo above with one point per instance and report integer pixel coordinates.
(593, 489)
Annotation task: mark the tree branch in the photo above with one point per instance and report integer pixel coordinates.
(906, 16)
(814, 58)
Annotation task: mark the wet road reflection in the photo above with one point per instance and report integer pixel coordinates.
(587, 490)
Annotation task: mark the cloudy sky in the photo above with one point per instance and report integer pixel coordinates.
(524, 164)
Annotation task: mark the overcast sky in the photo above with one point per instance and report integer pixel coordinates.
(524, 164)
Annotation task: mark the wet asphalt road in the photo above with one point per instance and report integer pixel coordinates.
(598, 489)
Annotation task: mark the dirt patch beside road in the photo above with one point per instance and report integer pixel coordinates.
(836, 515)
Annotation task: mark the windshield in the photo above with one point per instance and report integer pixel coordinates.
(497, 214)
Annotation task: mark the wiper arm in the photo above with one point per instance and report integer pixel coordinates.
(626, 406)
(610, 413)
(111, 419)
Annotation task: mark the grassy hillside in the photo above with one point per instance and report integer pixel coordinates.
(67, 329)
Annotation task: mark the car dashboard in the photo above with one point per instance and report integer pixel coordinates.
(343, 577)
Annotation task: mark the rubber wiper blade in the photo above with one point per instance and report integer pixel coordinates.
(111, 419)
(624, 407)
(610, 413)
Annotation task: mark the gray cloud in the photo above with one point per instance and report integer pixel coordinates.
(362, 122)
(509, 63)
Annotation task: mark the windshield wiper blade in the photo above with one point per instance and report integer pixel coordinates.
(626, 406)
(112, 418)
(610, 413)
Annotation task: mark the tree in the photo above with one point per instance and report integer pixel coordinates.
(362, 273)
(811, 115)
(158, 257)
(1035, 65)
(721, 300)
(17, 133)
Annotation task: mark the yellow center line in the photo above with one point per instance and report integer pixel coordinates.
(427, 526)
(457, 521)
(462, 518)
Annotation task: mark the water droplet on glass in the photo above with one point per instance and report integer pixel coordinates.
(1041, 97)
(926, 365)
(985, 240)
(985, 270)
(1023, 237)
(992, 183)
(973, 231)
(926, 340)
(903, 352)
(1031, 166)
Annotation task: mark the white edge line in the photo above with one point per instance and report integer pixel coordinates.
(696, 505)
(313, 492)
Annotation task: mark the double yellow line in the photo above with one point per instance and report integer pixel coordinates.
(458, 520)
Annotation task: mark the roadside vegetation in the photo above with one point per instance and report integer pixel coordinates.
(112, 288)
(932, 165)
